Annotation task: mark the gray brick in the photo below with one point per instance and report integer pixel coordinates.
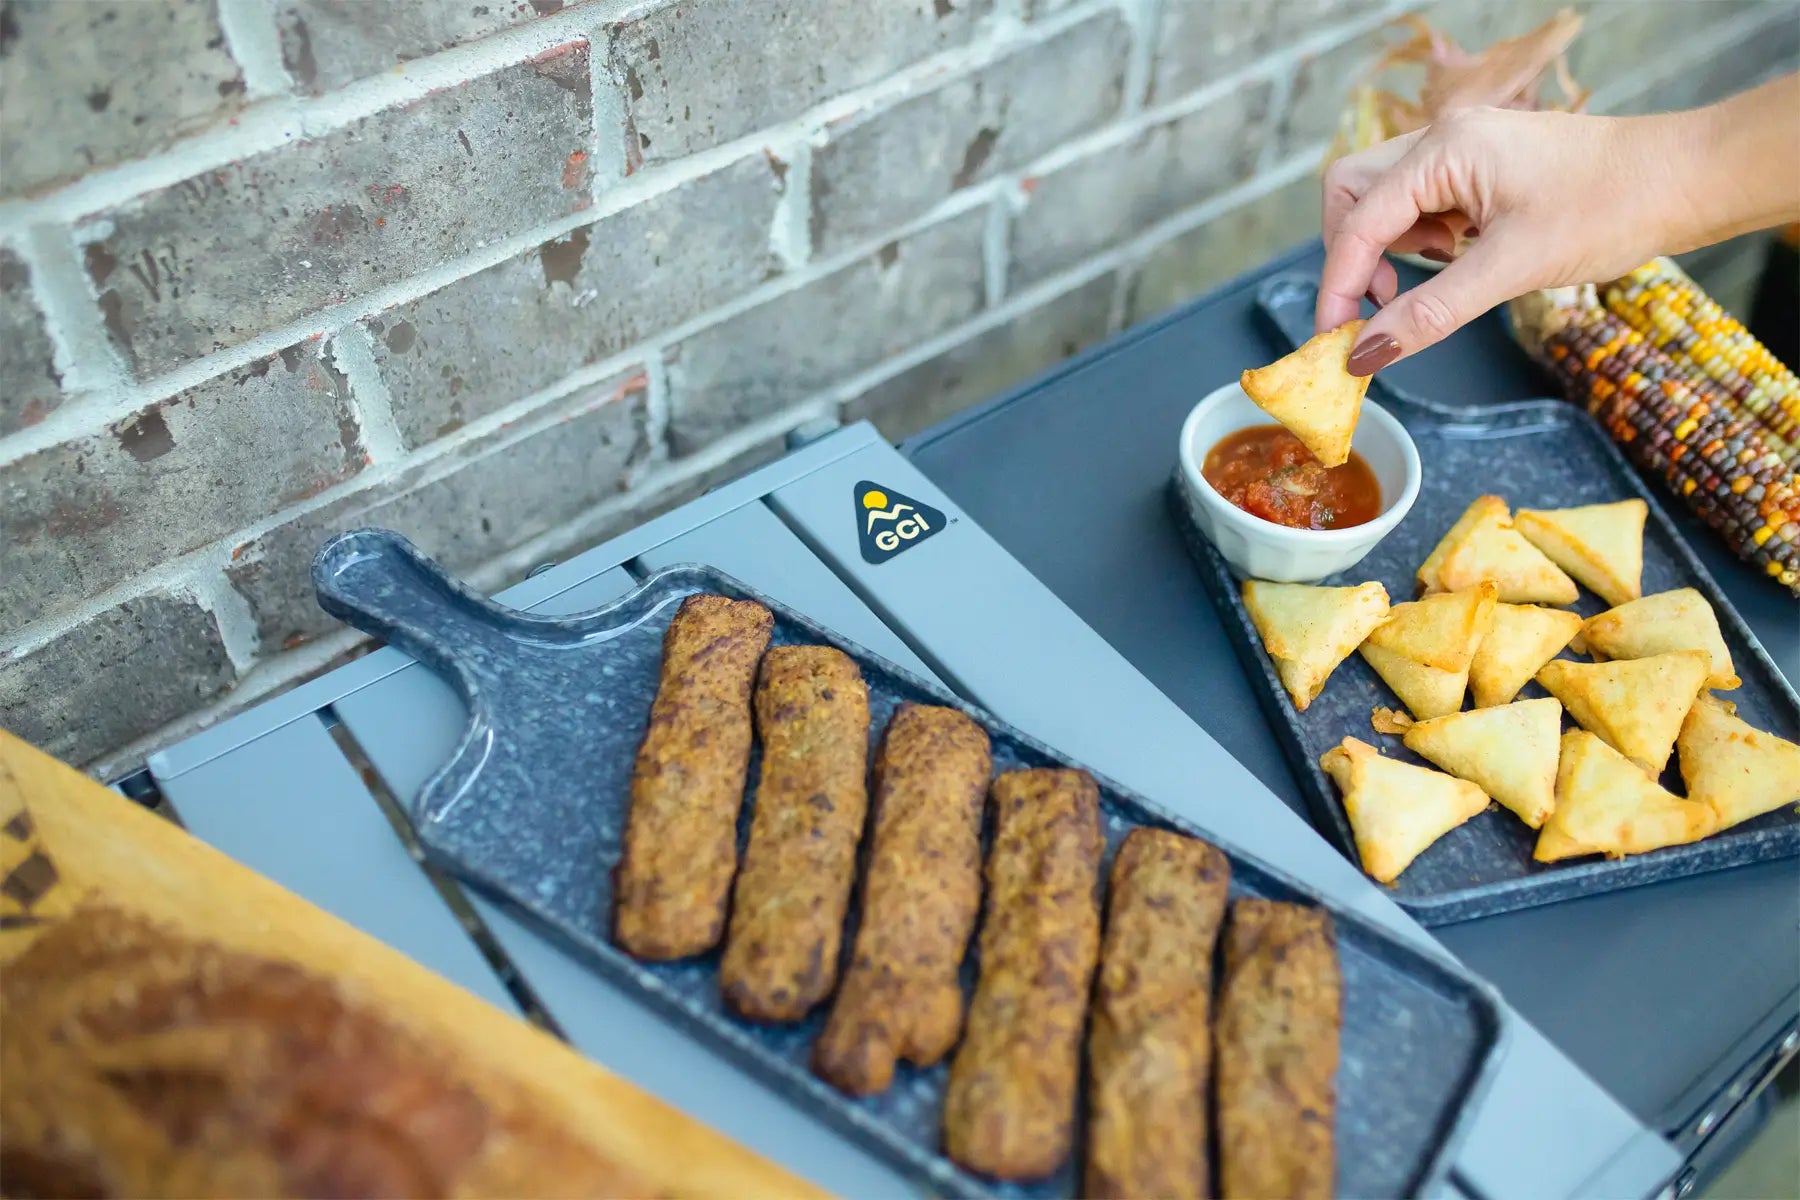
(890, 166)
(488, 340)
(988, 363)
(1114, 194)
(1200, 41)
(695, 74)
(224, 256)
(328, 43)
(779, 353)
(1321, 91)
(29, 384)
(1227, 245)
(86, 85)
(487, 499)
(114, 678)
(81, 516)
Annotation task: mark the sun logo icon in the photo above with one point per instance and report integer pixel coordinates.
(875, 499)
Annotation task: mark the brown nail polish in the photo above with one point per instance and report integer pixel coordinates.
(1372, 298)
(1372, 354)
(1471, 232)
(1436, 255)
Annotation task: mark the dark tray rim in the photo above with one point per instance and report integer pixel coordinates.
(1569, 881)
(1430, 966)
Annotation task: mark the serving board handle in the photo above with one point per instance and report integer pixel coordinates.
(379, 582)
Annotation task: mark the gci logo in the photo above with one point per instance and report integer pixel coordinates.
(888, 522)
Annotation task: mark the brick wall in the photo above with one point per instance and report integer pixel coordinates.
(511, 276)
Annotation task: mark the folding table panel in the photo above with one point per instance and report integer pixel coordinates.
(288, 804)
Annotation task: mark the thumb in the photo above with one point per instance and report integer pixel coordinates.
(1427, 314)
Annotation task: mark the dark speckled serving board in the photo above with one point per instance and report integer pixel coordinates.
(532, 805)
(1536, 454)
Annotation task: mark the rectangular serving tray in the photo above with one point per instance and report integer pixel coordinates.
(532, 806)
(1535, 454)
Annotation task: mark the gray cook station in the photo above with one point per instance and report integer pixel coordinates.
(1637, 1020)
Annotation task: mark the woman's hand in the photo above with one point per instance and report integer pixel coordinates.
(1549, 199)
(1546, 199)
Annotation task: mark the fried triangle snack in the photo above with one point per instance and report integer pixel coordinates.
(1524, 637)
(1510, 752)
(1602, 545)
(1439, 631)
(1605, 805)
(1311, 392)
(1677, 620)
(1395, 808)
(1734, 768)
(1308, 631)
(1636, 706)
(1424, 648)
(1425, 691)
(1483, 545)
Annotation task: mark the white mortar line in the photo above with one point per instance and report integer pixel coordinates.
(1143, 17)
(352, 352)
(656, 420)
(996, 244)
(790, 233)
(606, 136)
(212, 591)
(1120, 303)
(1008, 14)
(84, 356)
(254, 41)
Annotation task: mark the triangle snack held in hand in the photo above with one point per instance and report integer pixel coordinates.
(1524, 637)
(1308, 631)
(1734, 768)
(1636, 706)
(1396, 809)
(1313, 394)
(1483, 545)
(1677, 620)
(1510, 752)
(1605, 805)
(1602, 545)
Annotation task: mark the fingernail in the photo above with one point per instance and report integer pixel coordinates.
(1436, 255)
(1372, 298)
(1372, 354)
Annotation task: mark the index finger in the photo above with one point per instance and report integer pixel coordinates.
(1386, 212)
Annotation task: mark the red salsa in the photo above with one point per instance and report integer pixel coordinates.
(1267, 472)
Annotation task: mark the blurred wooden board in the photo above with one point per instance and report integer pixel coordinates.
(67, 843)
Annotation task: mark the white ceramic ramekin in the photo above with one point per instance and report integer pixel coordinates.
(1264, 550)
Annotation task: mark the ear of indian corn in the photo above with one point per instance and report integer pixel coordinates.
(1669, 309)
(1689, 432)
